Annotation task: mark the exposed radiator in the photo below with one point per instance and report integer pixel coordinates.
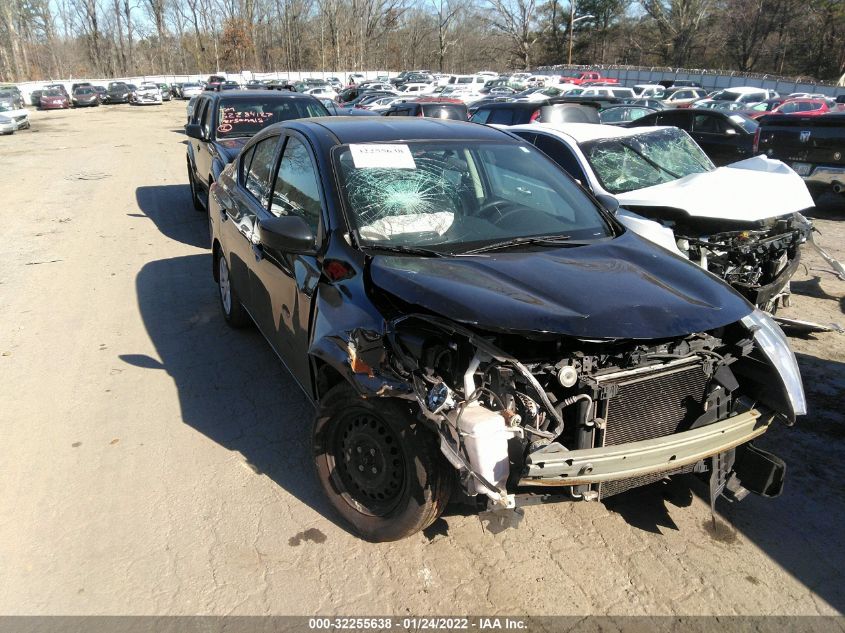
(649, 405)
(656, 404)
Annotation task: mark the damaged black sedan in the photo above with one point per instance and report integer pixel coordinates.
(471, 324)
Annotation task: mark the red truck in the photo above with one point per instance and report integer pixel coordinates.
(587, 76)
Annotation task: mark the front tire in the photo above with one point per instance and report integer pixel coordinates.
(230, 301)
(379, 466)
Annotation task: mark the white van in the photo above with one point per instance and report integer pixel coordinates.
(608, 91)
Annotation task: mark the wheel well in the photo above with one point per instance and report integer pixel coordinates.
(327, 377)
(215, 253)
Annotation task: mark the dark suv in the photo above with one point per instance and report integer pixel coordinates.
(222, 122)
(431, 109)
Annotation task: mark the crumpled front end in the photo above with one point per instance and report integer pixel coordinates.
(589, 418)
(758, 261)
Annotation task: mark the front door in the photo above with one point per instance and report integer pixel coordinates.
(284, 283)
(239, 215)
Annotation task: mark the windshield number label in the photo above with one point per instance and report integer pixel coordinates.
(382, 156)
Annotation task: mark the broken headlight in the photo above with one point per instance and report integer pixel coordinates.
(772, 342)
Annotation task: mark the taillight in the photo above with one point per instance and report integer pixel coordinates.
(534, 116)
(756, 146)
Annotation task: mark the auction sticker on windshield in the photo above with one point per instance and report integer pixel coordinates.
(382, 156)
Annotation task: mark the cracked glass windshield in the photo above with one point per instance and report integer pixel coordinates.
(451, 196)
(635, 162)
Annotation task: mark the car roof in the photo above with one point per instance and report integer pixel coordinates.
(744, 89)
(348, 129)
(584, 132)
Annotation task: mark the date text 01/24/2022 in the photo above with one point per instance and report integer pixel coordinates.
(418, 623)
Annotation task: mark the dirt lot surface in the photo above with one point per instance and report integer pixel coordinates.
(155, 462)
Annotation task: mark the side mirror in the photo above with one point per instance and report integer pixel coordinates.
(608, 203)
(730, 132)
(289, 234)
(194, 130)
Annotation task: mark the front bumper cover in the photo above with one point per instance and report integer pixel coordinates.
(556, 466)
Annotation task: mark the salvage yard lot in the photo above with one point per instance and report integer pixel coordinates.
(156, 461)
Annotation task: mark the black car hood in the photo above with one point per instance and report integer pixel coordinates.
(623, 288)
(229, 148)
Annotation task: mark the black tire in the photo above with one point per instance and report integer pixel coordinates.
(232, 309)
(195, 200)
(391, 480)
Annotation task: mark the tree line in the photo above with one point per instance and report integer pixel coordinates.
(44, 39)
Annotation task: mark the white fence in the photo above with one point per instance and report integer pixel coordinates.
(709, 79)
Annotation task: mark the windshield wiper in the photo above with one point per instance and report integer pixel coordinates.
(649, 161)
(547, 240)
(405, 250)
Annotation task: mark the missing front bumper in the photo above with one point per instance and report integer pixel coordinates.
(556, 466)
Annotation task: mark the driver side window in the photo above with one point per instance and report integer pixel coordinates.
(206, 118)
(297, 190)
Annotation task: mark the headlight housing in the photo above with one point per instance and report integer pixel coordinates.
(772, 342)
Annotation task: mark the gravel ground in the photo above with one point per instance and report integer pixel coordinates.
(156, 462)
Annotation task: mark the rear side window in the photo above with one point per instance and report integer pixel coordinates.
(676, 119)
(260, 168)
(707, 124)
(562, 155)
(297, 185)
(481, 116)
(502, 116)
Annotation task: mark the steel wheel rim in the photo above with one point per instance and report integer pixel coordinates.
(366, 462)
(225, 286)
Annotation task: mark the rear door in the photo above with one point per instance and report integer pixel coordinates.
(284, 283)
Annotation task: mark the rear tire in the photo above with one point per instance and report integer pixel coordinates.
(230, 301)
(379, 466)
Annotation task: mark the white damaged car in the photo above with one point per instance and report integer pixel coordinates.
(742, 222)
(148, 92)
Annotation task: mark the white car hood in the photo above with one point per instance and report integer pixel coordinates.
(753, 189)
(11, 114)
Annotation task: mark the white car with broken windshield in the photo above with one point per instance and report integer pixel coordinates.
(148, 92)
(743, 222)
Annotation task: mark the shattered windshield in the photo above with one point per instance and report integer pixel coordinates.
(460, 193)
(635, 162)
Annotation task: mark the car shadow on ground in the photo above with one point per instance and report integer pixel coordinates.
(171, 210)
(231, 387)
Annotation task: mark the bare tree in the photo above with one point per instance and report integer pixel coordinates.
(447, 11)
(679, 23)
(515, 20)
